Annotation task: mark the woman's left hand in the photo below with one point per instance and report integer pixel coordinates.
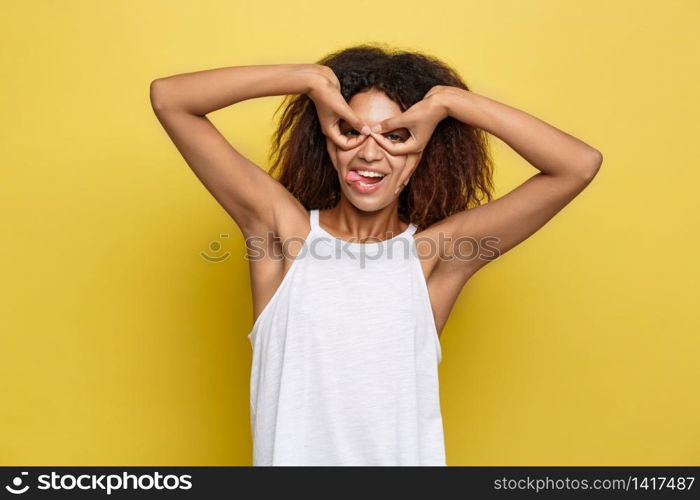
(420, 120)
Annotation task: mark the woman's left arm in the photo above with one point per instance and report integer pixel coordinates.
(566, 164)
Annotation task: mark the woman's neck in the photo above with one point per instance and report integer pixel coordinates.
(348, 222)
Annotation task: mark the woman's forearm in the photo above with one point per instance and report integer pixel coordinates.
(547, 148)
(205, 91)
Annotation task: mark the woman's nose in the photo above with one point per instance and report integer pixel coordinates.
(370, 148)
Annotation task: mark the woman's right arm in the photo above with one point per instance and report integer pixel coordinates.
(254, 199)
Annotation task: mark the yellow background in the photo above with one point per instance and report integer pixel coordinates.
(122, 345)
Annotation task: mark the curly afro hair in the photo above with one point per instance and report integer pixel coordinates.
(455, 171)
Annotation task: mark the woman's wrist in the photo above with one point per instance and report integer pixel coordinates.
(450, 98)
(309, 75)
(317, 75)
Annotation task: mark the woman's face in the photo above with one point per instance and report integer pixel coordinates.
(371, 193)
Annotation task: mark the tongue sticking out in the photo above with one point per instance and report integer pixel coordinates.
(353, 176)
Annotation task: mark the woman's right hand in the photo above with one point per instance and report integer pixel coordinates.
(331, 107)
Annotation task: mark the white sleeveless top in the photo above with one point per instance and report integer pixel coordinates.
(345, 358)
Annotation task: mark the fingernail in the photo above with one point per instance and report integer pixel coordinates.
(365, 130)
(377, 128)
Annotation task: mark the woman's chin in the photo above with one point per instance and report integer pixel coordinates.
(366, 203)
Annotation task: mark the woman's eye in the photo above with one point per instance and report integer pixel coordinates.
(392, 137)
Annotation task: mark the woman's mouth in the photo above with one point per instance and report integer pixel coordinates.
(365, 181)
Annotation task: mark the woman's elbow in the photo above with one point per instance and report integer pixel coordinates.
(593, 166)
(157, 94)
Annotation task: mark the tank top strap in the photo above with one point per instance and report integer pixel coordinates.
(411, 229)
(313, 218)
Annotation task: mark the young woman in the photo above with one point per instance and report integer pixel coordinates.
(365, 240)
